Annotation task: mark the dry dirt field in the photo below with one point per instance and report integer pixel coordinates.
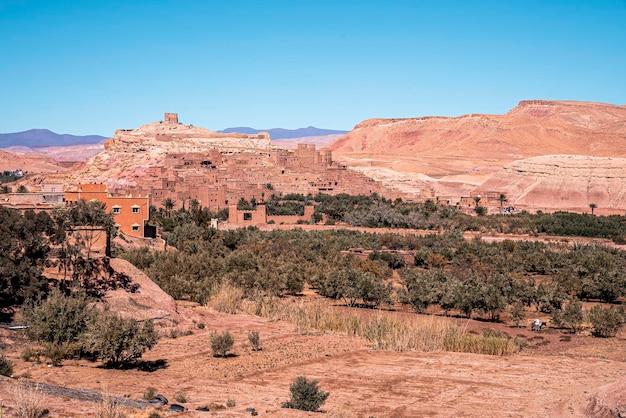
(551, 377)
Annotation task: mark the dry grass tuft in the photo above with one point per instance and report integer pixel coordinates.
(227, 298)
(108, 408)
(30, 401)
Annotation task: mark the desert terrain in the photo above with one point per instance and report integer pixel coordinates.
(543, 155)
(555, 375)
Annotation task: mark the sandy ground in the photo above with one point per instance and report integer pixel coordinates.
(551, 377)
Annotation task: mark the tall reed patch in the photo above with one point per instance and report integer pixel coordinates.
(382, 331)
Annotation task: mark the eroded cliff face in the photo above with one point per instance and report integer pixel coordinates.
(556, 182)
(537, 127)
(456, 155)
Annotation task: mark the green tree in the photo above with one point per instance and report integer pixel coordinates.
(221, 343)
(480, 210)
(80, 227)
(571, 316)
(168, 204)
(22, 189)
(592, 206)
(305, 395)
(605, 322)
(502, 199)
(24, 249)
(517, 312)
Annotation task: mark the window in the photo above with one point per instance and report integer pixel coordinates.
(135, 228)
(135, 210)
(247, 216)
(116, 210)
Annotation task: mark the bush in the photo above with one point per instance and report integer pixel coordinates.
(605, 322)
(222, 343)
(59, 319)
(118, 340)
(149, 393)
(28, 354)
(253, 337)
(305, 395)
(180, 397)
(6, 366)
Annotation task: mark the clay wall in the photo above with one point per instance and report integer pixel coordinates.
(171, 118)
(293, 219)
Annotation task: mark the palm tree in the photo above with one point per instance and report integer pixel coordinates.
(22, 189)
(477, 199)
(168, 204)
(5, 190)
(592, 206)
(194, 205)
(502, 198)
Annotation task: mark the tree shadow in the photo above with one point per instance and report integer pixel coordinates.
(141, 365)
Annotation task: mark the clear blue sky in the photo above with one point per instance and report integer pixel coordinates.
(92, 66)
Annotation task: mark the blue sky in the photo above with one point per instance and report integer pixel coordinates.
(92, 66)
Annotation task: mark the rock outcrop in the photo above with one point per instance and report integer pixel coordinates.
(532, 128)
(556, 182)
(455, 155)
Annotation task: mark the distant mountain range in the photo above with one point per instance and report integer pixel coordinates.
(280, 133)
(41, 138)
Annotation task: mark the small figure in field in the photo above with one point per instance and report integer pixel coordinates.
(537, 325)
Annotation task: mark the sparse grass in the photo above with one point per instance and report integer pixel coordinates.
(480, 345)
(177, 332)
(180, 397)
(29, 401)
(384, 332)
(108, 408)
(227, 298)
(149, 393)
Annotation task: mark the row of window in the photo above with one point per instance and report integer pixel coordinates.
(117, 209)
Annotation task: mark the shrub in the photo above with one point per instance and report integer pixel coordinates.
(221, 343)
(253, 337)
(570, 317)
(149, 393)
(28, 354)
(605, 322)
(59, 319)
(180, 397)
(6, 366)
(517, 312)
(230, 403)
(305, 395)
(118, 340)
